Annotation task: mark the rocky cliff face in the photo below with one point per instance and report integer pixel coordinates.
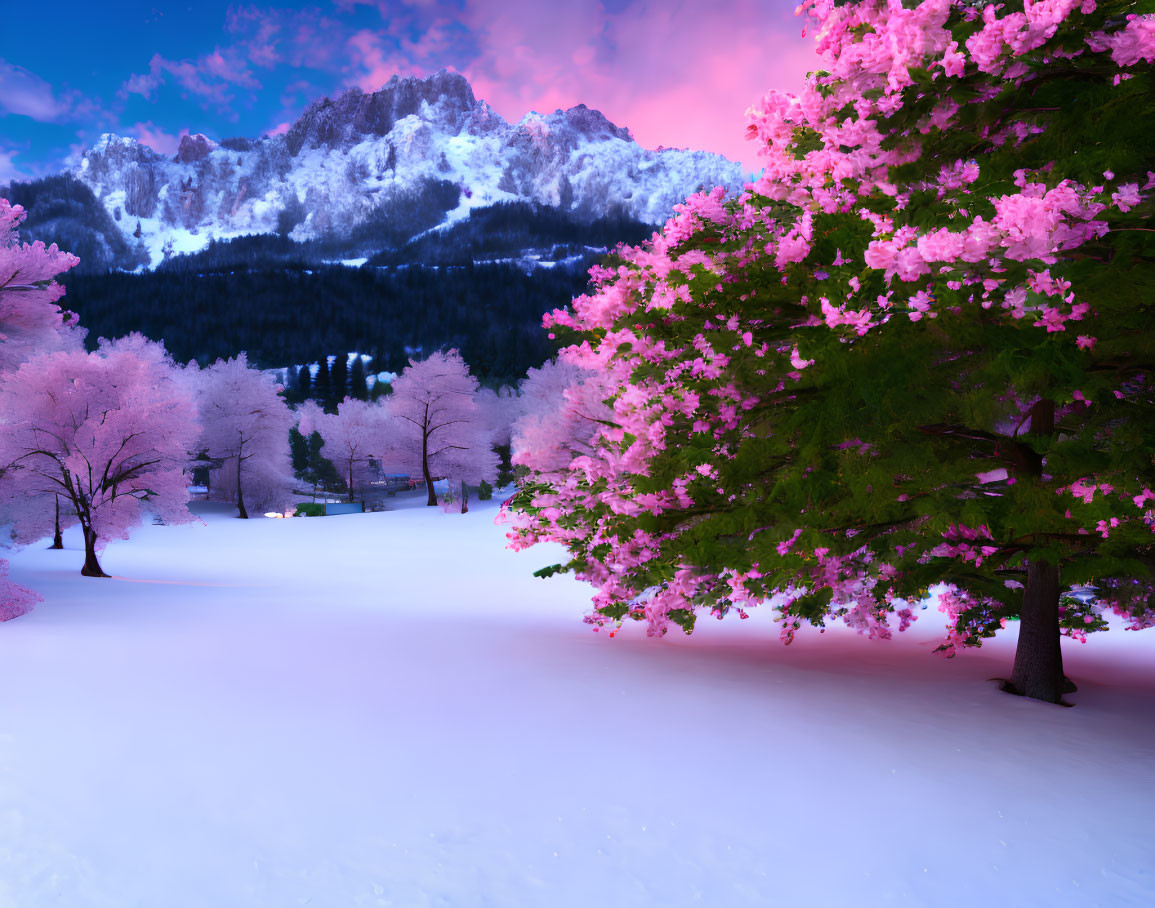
(347, 160)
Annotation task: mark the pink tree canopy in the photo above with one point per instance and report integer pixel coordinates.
(355, 437)
(110, 430)
(499, 410)
(30, 320)
(470, 462)
(245, 430)
(562, 407)
(434, 416)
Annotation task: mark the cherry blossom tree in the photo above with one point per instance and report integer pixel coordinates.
(471, 461)
(434, 418)
(30, 322)
(355, 437)
(109, 431)
(30, 319)
(915, 351)
(562, 408)
(245, 429)
(499, 410)
(15, 600)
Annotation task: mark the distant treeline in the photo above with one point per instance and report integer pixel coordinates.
(64, 211)
(470, 286)
(492, 313)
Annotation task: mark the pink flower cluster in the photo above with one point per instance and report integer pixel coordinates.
(825, 151)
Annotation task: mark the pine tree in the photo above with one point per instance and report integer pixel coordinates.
(338, 381)
(358, 387)
(322, 385)
(303, 384)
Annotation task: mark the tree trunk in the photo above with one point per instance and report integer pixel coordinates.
(464, 497)
(57, 538)
(92, 566)
(241, 512)
(431, 496)
(350, 482)
(1038, 671)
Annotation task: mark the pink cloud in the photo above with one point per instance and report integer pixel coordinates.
(368, 59)
(268, 37)
(156, 138)
(279, 130)
(210, 77)
(678, 74)
(675, 74)
(25, 93)
(9, 171)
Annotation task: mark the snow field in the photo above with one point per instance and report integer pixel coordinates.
(388, 709)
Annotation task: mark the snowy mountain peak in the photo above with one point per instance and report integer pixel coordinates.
(445, 97)
(352, 162)
(192, 148)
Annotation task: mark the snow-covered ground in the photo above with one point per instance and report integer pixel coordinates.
(388, 709)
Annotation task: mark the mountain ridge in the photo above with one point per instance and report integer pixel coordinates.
(347, 159)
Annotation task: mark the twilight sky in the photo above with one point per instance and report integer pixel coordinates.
(676, 72)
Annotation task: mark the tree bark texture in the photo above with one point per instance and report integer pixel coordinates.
(57, 537)
(241, 512)
(1038, 671)
(92, 566)
(431, 496)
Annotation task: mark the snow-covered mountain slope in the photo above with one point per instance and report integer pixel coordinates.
(340, 165)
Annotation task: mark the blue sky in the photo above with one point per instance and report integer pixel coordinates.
(679, 74)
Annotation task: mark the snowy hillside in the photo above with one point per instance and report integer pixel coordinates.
(344, 160)
(388, 709)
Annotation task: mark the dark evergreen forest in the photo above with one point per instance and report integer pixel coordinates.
(473, 286)
(480, 285)
(492, 313)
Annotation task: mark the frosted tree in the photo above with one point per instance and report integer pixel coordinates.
(562, 407)
(30, 322)
(433, 414)
(109, 431)
(471, 461)
(498, 411)
(355, 438)
(15, 600)
(245, 430)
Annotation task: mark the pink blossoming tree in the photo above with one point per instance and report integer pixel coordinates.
(471, 461)
(109, 431)
(355, 437)
(917, 350)
(30, 322)
(434, 418)
(245, 430)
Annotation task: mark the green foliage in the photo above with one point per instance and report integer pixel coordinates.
(890, 441)
(310, 509)
(309, 465)
(485, 491)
